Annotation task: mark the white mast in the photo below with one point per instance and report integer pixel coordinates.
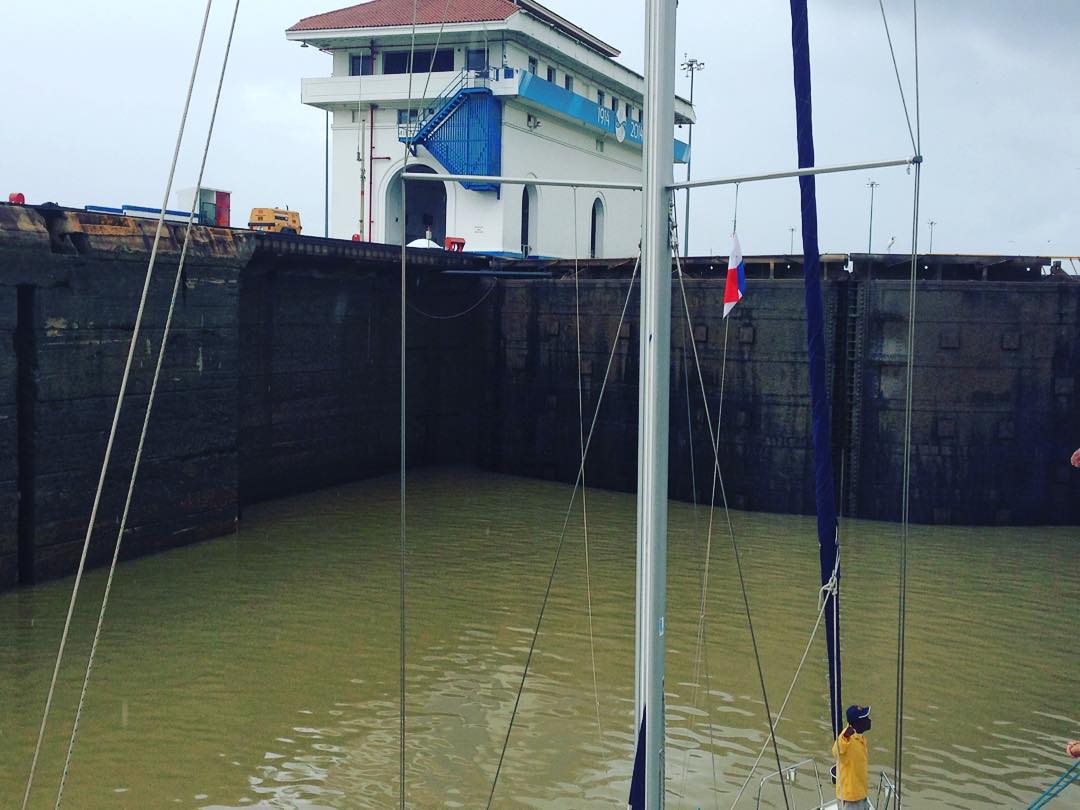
(655, 335)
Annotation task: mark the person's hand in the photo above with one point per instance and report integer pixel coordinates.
(1073, 748)
(1076, 459)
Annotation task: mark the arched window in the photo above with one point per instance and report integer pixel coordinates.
(596, 230)
(529, 216)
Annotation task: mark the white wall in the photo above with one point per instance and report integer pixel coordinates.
(559, 148)
(476, 216)
(563, 150)
(486, 222)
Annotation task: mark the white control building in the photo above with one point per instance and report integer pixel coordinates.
(509, 89)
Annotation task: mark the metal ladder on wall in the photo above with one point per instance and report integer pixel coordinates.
(853, 392)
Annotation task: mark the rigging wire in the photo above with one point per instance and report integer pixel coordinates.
(823, 598)
(689, 424)
(718, 478)
(402, 428)
(900, 84)
(464, 312)
(116, 412)
(901, 629)
(403, 414)
(434, 53)
(149, 409)
(562, 534)
(584, 509)
(735, 213)
(699, 639)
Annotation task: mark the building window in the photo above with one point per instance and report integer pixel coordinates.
(476, 59)
(638, 111)
(551, 74)
(568, 83)
(360, 64)
(600, 97)
(614, 104)
(396, 62)
(599, 144)
(410, 116)
(629, 109)
(354, 114)
(533, 65)
(442, 61)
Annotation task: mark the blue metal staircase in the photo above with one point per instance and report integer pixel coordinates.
(463, 132)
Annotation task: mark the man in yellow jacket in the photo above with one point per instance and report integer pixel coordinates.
(851, 760)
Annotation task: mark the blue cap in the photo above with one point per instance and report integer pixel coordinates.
(857, 713)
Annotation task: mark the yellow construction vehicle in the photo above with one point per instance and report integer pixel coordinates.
(275, 220)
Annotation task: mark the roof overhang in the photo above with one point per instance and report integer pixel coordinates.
(597, 66)
(332, 38)
(547, 36)
(575, 32)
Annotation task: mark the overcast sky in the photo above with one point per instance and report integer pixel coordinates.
(93, 94)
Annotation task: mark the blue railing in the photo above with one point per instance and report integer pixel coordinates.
(408, 130)
(439, 107)
(1057, 788)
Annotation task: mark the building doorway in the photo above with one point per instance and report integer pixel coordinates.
(426, 210)
(596, 230)
(529, 214)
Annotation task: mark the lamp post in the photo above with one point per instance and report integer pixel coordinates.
(870, 240)
(931, 223)
(791, 242)
(690, 66)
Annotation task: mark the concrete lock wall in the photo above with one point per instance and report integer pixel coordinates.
(996, 410)
(68, 293)
(320, 377)
(282, 375)
(765, 445)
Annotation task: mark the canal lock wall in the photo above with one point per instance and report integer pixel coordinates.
(996, 412)
(282, 376)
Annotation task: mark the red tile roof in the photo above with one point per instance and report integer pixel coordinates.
(383, 13)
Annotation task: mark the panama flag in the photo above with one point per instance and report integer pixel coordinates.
(735, 288)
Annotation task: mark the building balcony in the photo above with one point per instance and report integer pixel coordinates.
(333, 92)
(349, 91)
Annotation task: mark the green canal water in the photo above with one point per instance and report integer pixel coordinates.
(261, 670)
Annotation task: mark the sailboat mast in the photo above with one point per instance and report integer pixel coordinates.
(824, 492)
(655, 364)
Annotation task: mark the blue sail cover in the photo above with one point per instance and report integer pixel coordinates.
(824, 494)
(637, 780)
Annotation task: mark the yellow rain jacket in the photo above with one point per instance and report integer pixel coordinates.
(851, 767)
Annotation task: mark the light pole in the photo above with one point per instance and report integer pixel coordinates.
(931, 223)
(870, 240)
(690, 66)
(791, 242)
